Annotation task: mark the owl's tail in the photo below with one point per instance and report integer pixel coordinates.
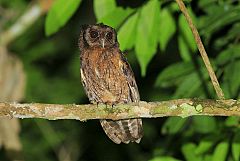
(123, 130)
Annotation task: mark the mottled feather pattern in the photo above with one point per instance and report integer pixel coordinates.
(108, 78)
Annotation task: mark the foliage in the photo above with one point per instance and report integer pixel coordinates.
(60, 13)
(157, 37)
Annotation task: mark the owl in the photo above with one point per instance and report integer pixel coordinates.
(108, 78)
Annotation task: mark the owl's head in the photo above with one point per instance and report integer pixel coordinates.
(99, 35)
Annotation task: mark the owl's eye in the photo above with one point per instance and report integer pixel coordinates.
(109, 35)
(93, 34)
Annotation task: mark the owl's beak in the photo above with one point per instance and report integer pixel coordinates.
(103, 43)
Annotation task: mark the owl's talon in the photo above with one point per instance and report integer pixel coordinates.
(114, 103)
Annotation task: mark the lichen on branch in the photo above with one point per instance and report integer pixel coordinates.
(179, 107)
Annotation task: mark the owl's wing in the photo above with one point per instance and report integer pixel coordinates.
(127, 70)
(85, 86)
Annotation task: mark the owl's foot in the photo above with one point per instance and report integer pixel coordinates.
(94, 103)
(112, 104)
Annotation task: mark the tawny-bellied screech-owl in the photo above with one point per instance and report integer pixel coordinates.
(108, 78)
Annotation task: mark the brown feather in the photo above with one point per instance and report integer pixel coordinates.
(108, 78)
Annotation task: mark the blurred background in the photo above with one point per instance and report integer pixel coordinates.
(39, 62)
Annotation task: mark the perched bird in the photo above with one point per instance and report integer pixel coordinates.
(108, 78)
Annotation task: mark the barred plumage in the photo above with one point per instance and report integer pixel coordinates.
(107, 78)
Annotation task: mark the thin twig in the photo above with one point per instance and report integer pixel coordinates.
(180, 107)
(35, 10)
(201, 50)
(27, 19)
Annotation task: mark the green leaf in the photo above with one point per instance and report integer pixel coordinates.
(220, 152)
(174, 7)
(167, 28)
(231, 53)
(164, 159)
(224, 15)
(173, 125)
(53, 138)
(127, 33)
(42, 49)
(146, 39)
(173, 74)
(204, 146)
(226, 89)
(108, 13)
(235, 78)
(232, 121)
(232, 77)
(184, 50)
(204, 124)
(55, 87)
(188, 152)
(210, 7)
(186, 39)
(103, 7)
(186, 32)
(116, 17)
(59, 14)
(190, 85)
(187, 88)
(236, 146)
(207, 157)
(230, 36)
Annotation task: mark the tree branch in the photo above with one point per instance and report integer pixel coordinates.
(180, 107)
(201, 50)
